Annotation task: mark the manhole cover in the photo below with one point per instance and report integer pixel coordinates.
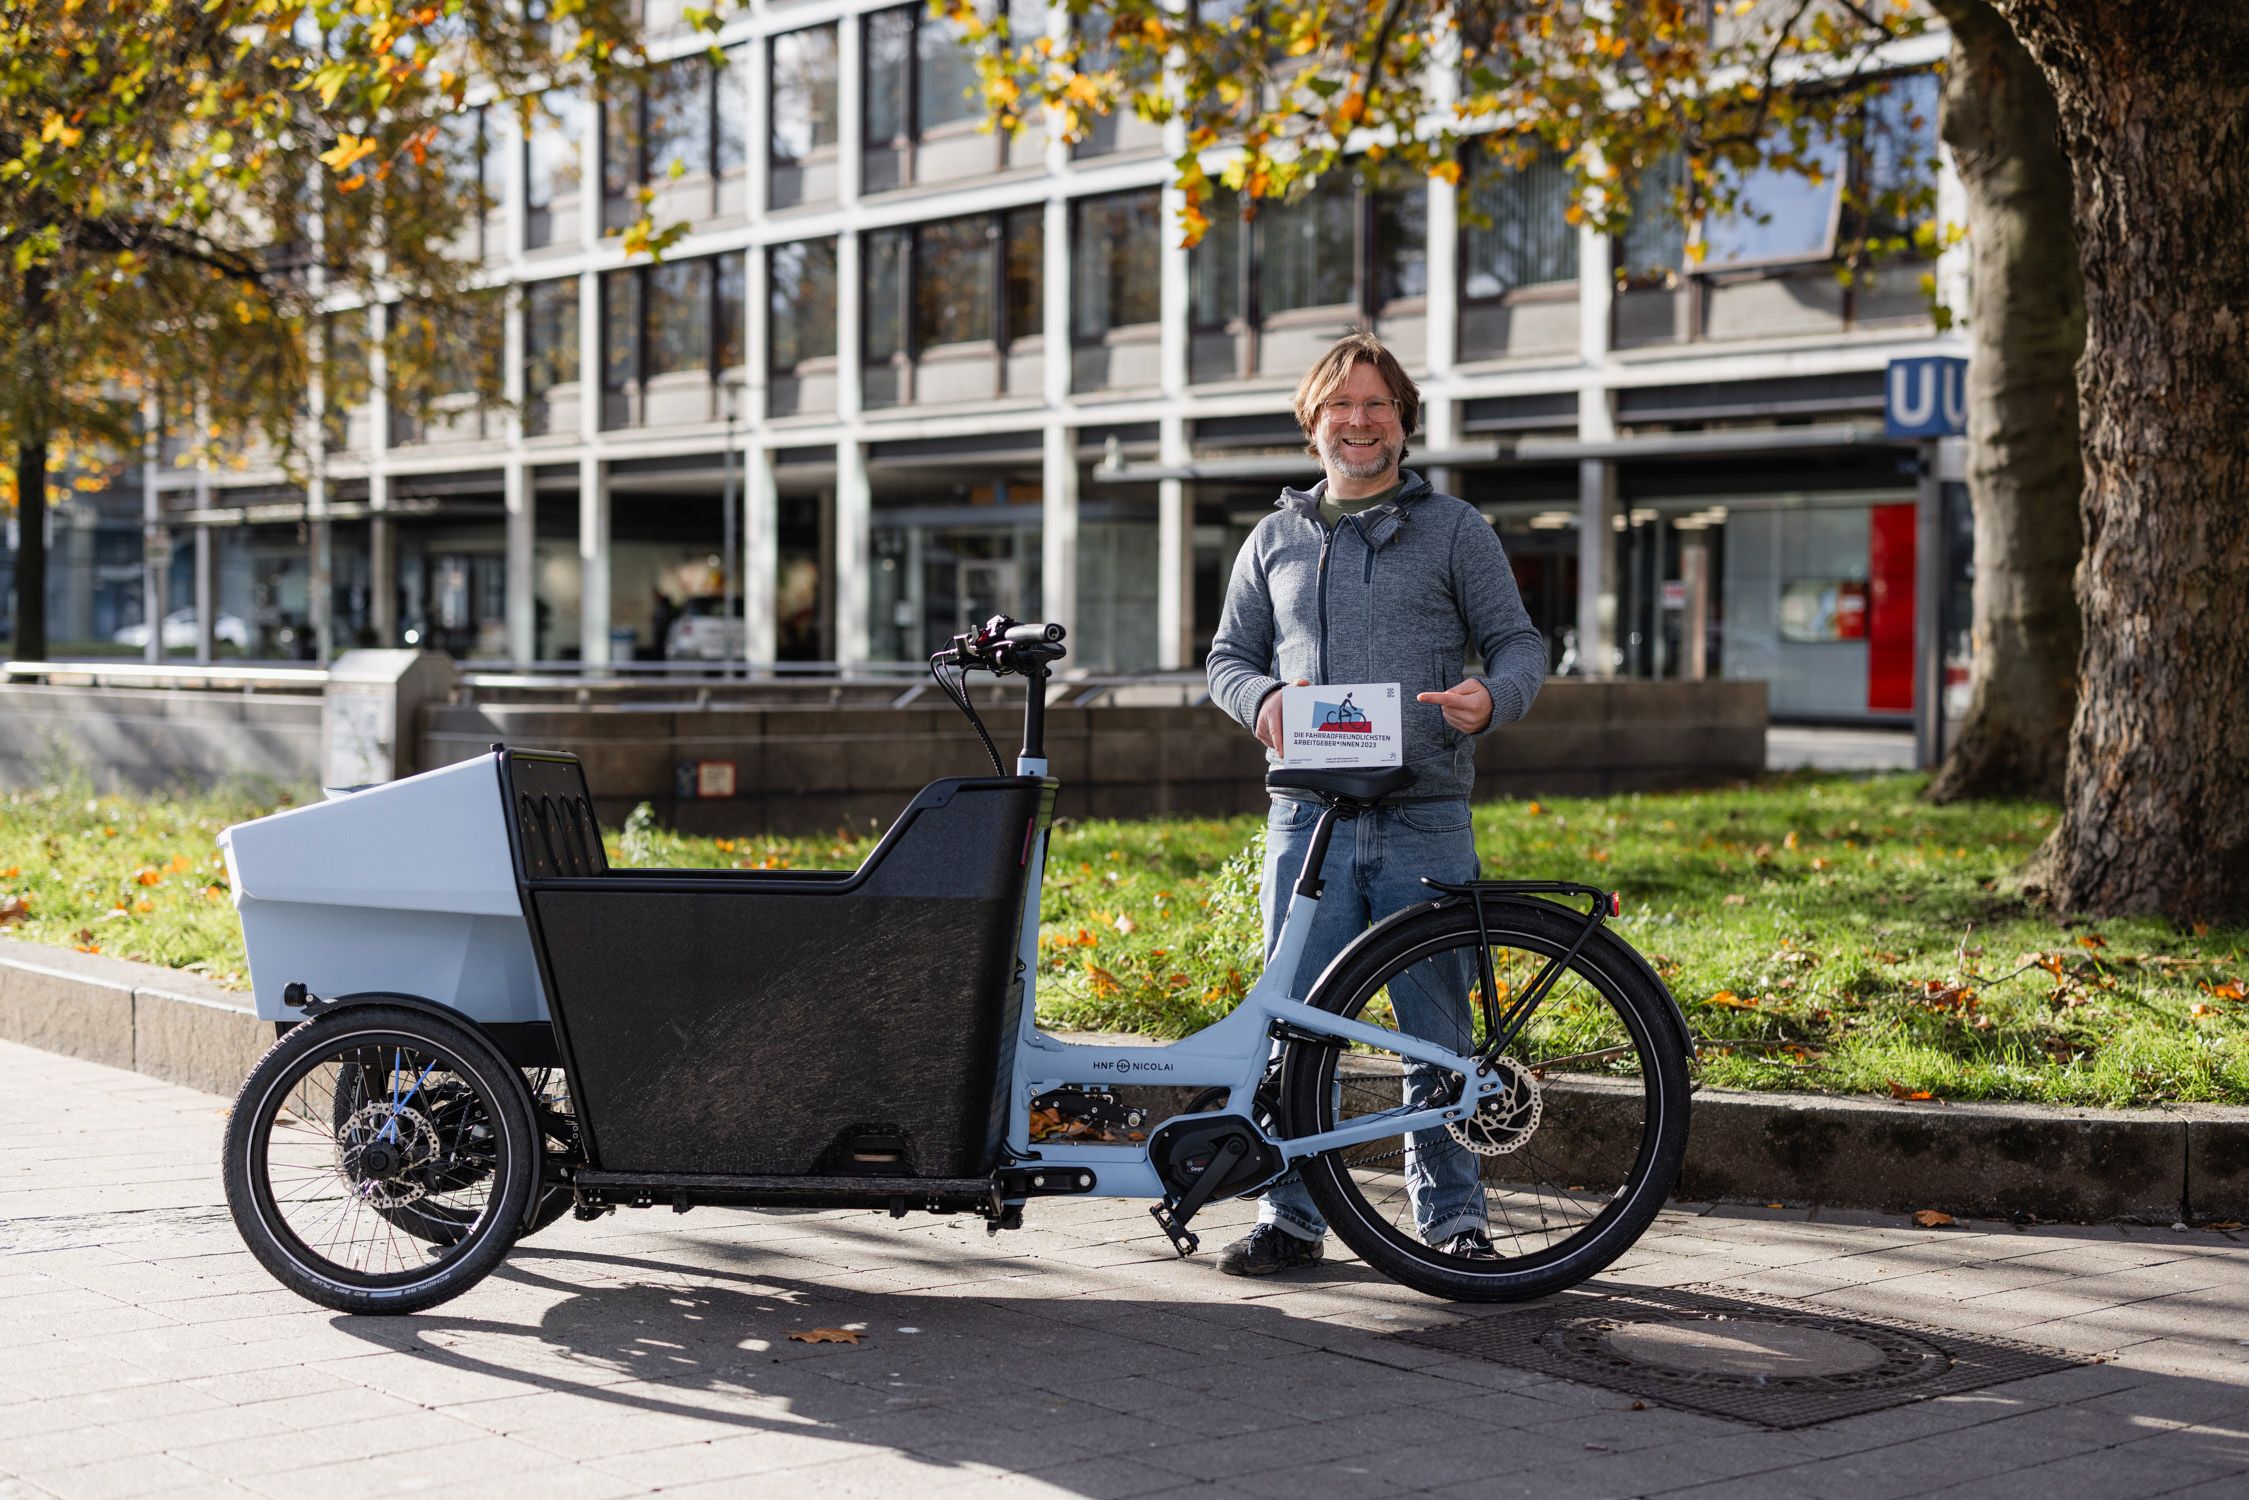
(1773, 1361)
(1742, 1346)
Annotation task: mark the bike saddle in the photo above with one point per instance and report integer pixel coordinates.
(1357, 786)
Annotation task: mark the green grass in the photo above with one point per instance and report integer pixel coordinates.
(1824, 933)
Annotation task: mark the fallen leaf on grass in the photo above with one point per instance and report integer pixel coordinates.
(2092, 940)
(2230, 990)
(826, 1336)
(1127, 926)
(1737, 899)
(1728, 1000)
(2201, 1008)
(1900, 1091)
(1929, 1218)
(13, 909)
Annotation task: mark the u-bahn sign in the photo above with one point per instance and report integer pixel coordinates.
(1926, 398)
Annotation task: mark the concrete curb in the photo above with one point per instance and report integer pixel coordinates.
(2187, 1162)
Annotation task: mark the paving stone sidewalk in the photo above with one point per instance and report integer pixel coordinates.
(142, 1351)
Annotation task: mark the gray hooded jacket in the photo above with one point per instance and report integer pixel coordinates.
(1397, 593)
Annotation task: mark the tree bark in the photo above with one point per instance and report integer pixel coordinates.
(2026, 324)
(2154, 105)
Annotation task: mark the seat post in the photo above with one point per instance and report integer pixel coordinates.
(1308, 881)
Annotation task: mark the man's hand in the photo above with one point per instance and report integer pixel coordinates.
(1467, 706)
(1269, 719)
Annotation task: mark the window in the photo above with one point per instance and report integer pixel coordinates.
(920, 75)
(678, 317)
(804, 94)
(1401, 239)
(733, 146)
(1655, 241)
(888, 254)
(674, 317)
(1117, 254)
(958, 281)
(1778, 217)
(620, 328)
(679, 119)
(1899, 157)
(686, 119)
(945, 75)
(802, 309)
(889, 68)
(1527, 239)
(1215, 273)
(1024, 234)
(953, 282)
(1305, 247)
(551, 152)
(550, 335)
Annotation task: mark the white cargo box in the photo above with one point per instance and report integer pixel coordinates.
(405, 887)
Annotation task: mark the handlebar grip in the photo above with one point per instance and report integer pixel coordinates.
(1034, 635)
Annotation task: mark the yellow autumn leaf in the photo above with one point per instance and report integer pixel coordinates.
(348, 149)
(825, 1336)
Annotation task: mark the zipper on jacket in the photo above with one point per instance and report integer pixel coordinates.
(1327, 541)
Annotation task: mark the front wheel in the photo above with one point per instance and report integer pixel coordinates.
(1563, 1169)
(356, 1133)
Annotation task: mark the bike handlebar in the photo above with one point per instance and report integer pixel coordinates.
(1001, 646)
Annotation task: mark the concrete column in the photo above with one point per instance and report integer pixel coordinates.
(851, 113)
(593, 561)
(760, 560)
(519, 488)
(206, 587)
(854, 504)
(757, 171)
(382, 562)
(522, 494)
(1440, 417)
(1058, 538)
(206, 574)
(513, 187)
(761, 554)
(1175, 499)
(382, 540)
(1694, 633)
(156, 542)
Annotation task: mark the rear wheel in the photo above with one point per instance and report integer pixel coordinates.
(379, 1160)
(1563, 1169)
(432, 1218)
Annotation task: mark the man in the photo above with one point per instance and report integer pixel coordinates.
(1373, 576)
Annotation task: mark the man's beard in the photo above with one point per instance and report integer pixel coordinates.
(1359, 463)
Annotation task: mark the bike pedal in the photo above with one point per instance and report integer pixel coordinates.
(1182, 1241)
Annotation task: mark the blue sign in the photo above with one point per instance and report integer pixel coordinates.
(1926, 398)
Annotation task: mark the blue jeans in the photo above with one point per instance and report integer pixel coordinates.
(1374, 867)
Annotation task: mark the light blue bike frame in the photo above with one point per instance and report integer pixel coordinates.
(1232, 1051)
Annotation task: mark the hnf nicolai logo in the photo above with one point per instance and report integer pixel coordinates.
(1340, 718)
(1926, 398)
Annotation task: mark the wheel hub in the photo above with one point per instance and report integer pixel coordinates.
(1507, 1117)
(384, 1152)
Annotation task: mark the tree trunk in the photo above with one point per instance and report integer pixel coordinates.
(2027, 324)
(2154, 106)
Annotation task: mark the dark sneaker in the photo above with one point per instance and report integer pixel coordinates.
(1269, 1249)
(1471, 1244)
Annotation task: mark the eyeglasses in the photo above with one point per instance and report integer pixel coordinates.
(1380, 409)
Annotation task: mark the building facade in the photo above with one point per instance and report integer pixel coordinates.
(941, 373)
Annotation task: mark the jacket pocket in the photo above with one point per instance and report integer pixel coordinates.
(1444, 671)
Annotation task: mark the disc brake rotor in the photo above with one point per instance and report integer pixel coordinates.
(385, 1152)
(1506, 1119)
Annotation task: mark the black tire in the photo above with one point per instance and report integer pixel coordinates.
(316, 1195)
(1581, 1155)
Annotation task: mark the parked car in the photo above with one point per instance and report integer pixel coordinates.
(704, 631)
(179, 632)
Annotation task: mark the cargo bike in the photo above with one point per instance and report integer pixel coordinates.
(484, 1025)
